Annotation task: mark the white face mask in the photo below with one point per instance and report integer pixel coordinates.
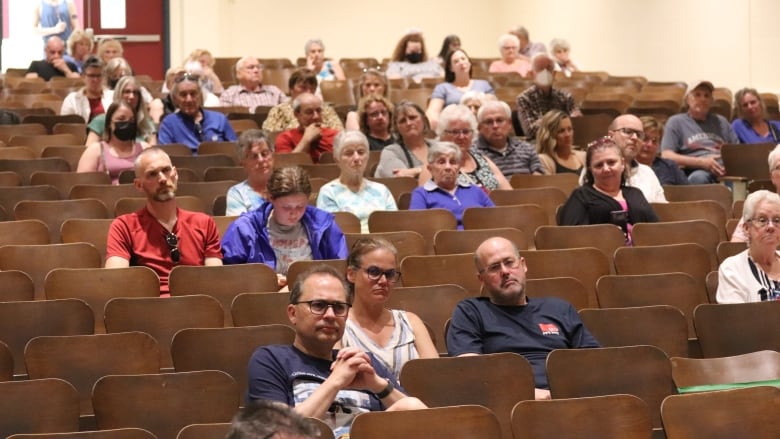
(544, 78)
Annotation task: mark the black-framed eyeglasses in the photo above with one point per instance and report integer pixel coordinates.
(320, 307)
(632, 132)
(375, 273)
(173, 244)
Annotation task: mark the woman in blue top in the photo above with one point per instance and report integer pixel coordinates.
(285, 229)
(326, 70)
(751, 124)
(445, 190)
(457, 77)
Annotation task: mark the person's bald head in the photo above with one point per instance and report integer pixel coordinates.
(627, 131)
(502, 271)
(55, 48)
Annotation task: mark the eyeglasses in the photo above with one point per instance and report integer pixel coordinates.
(94, 75)
(375, 273)
(510, 263)
(320, 307)
(262, 155)
(456, 133)
(173, 244)
(762, 222)
(632, 132)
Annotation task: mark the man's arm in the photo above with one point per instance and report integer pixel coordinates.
(116, 262)
(311, 134)
(465, 335)
(527, 116)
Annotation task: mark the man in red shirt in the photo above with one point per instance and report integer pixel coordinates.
(310, 136)
(161, 236)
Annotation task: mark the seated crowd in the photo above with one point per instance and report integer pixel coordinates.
(350, 345)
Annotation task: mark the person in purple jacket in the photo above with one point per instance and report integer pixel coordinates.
(285, 228)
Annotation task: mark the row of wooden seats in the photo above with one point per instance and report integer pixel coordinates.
(639, 282)
(642, 371)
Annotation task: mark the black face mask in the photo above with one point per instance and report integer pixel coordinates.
(414, 57)
(125, 130)
(112, 83)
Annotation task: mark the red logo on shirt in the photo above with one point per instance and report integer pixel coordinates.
(549, 329)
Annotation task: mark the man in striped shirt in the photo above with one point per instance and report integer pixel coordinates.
(250, 91)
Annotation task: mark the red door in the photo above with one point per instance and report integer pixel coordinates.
(143, 37)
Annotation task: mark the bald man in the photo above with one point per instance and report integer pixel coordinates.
(508, 321)
(628, 132)
(54, 64)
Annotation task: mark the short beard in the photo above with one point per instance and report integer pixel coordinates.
(167, 195)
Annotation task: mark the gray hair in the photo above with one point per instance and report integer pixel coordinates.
(248, 138)
(186, 78)
(345, 138)
(503, 39)
(774, 156)
(443, 148)
(297, 102)
(754, 199)
(453, 113)
(310, 41)
(264, 418)
(559, 44)
(491, 105)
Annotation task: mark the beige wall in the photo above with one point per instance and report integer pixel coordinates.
(733, 43)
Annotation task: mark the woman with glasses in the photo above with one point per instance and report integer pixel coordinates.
(128, 90)
(391, 335)
(459, 126)
(191, 124)
(351, 192)
(457, 81)
(408, 157)
(374, 116)
(667, 171)
(740, 232)
(754, 274)
(445, 189)
(604, 197)
(119, 148)
(285, 229)
(257, 157)
(555, 144)
(92, 99)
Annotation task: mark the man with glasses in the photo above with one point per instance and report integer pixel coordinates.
(511, 155)
(161, 235)
(628, 133)
(310, 136)
(54, 64)
(250, 91)
(506, 320)
(693, 139)
(312, 377)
